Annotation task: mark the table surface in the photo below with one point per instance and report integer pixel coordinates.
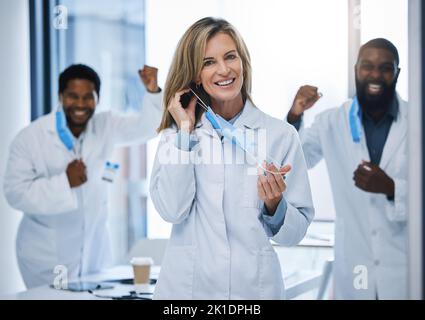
(115, 273)
(292, 281)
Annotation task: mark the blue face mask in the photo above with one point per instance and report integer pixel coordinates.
(355, 116)
(225, 128)
(63, 131)
(233, 134)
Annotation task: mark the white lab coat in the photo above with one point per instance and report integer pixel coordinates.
(64, 226)
(219, 246)
(370, 230)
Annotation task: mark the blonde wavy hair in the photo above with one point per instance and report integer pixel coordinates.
(188, 59)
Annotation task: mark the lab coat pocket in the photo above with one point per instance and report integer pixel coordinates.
(250, 197)
(270, 276)
(176, 276)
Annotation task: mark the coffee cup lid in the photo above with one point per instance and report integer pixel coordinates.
(141, 261)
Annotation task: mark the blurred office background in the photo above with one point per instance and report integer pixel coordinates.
(291, 43)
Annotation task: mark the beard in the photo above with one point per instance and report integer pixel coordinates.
(375, 103)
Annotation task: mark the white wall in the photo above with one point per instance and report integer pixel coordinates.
(14, 115)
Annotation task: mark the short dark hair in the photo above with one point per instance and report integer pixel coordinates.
(381, 43)
(79, 71)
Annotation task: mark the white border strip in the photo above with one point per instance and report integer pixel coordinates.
(415, 152)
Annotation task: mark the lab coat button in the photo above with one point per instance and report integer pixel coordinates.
(376, 262)
(374, 233)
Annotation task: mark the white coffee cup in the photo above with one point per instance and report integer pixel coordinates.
(141, 269)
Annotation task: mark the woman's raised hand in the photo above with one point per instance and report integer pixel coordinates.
(184, 117)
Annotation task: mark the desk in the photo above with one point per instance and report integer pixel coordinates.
(294, 282)
(115, 273)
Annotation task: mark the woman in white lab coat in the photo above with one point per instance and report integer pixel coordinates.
(223, 212)
(63, 233)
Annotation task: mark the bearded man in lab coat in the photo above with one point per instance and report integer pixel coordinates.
(54, 175)
(364, 145)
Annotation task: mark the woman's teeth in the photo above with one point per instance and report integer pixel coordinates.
(225, 83)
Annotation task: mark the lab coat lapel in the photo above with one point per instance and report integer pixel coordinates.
(358, 150)
(396, 135)
(250, 117)
(248, 123)
(249, 120)
(364, 152)
(205, 128)
(89, 139)
(51, 129)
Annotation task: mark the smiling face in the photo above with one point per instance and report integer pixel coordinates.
(79, 101)
(222, 72)
(376, 78)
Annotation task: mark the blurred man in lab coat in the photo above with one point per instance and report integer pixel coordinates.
(58, 171)
(364, 145)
